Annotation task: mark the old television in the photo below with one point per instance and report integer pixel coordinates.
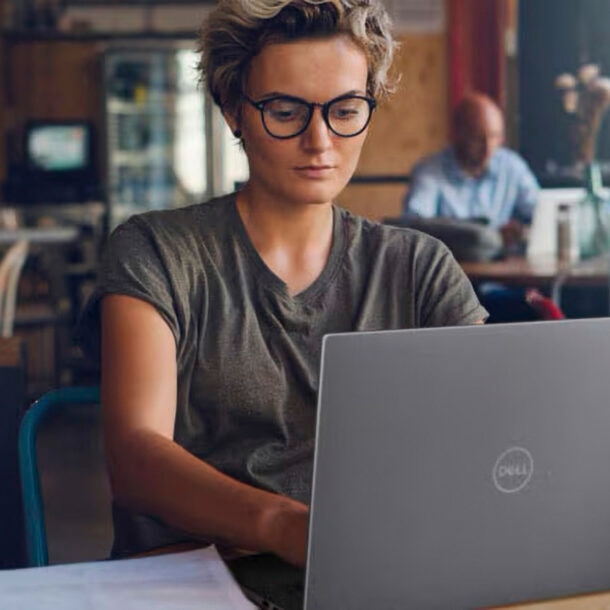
(59, 162)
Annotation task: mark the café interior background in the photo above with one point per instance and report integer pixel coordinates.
(95, 63)
(59, 62)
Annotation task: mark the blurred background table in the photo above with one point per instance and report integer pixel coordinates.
(39, 235)
(541, 273)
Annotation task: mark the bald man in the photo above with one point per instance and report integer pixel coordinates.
(475, 177)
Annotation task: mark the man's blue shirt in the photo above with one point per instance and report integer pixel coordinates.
(440, 187)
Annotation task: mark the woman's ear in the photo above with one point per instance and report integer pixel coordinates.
(234, 123)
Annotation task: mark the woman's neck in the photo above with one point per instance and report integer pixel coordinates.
(293, 240)
(287, 225)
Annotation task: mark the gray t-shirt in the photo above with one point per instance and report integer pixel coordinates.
(248, 352)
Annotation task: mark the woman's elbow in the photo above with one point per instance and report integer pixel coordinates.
(126, 471)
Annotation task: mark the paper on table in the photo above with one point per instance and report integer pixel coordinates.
(195, 579)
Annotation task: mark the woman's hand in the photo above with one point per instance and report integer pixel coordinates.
(285, 529)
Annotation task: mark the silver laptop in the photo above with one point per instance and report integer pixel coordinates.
(461, 467)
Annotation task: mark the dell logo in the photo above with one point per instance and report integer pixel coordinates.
(513, 470)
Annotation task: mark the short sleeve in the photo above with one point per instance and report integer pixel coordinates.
(132, 265)
(447, 296)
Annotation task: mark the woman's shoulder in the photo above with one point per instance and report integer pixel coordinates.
(177, 229)
(205, 216)
(173, 236)
(372, 234)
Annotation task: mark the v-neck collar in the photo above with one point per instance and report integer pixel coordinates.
(275, 283)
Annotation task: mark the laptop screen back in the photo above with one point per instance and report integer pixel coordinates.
(461, 467)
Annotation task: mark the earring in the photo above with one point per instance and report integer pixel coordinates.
(237, 133)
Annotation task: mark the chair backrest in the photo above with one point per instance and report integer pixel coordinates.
(33, 509)
(10, 271)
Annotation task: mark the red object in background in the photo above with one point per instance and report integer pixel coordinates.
(476, 49)
(543, 306)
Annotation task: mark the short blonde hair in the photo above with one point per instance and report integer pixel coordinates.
(237, 30)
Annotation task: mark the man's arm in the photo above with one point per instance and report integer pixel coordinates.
(421, 198)
(527, 194)
(152, 474)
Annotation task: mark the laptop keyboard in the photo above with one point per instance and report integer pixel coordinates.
(269, 582)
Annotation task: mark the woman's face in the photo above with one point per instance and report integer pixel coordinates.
(315, 166)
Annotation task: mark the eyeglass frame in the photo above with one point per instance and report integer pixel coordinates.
(311, 106)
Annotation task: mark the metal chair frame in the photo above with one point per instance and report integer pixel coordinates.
(33, 505)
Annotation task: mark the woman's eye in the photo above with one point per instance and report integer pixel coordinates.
(283, 115)
(346, 112)
(284, 111)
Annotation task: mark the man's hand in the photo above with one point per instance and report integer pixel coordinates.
(514, 235)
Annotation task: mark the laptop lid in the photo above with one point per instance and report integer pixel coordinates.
(461, 467)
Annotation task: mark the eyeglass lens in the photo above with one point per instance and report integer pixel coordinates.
(285, 117)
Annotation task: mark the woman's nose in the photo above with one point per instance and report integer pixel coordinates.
(317, 135)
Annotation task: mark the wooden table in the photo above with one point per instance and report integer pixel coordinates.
(539, 273)
(600, 601)
(546, 274)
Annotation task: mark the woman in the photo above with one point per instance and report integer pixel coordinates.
(212, 316)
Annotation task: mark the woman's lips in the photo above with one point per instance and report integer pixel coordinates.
(314, 171)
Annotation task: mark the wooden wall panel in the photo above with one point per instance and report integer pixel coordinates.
(62, 79)
(412, 123)
(53, 80)
(3, 69)
(3, 14)
(374, 201)
(66, 82)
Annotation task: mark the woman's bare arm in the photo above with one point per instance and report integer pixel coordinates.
(149, 472)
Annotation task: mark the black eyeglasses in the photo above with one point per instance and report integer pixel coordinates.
(285, 116)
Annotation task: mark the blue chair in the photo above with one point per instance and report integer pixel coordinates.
(33, 509)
